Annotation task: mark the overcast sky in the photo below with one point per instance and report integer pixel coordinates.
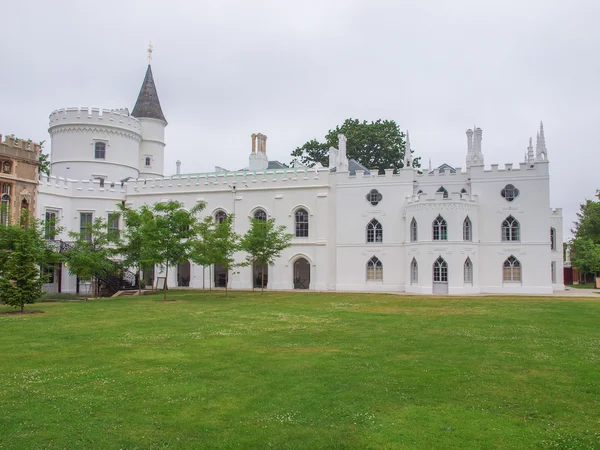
(294, 70)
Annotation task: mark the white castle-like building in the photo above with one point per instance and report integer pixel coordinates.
(448, 230)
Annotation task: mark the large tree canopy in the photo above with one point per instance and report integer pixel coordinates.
(376, 145)
(586, 245)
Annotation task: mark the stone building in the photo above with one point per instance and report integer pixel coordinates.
(19, 162)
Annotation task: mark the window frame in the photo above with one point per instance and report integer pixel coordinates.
(553, 239)
(509, 192)
(439, 229)
(467, 230)
(301, 227)
(374, 197)
(374, 232)
(148, 161)
(511, 230)
(374, 269)
(86, 235)
(110, 228)
(414, 230)
(260, 214)
(440, 270)
(468, 271)
(553, 271)
(444, 191)
(50, 224)
(414, 271)
(509, 267)
(220, 215)
(104, 144)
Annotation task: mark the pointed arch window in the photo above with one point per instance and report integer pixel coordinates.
(468, 271)
(413, 230)
(443, 190)
(5, 203)
(220, 216)
(374, 231)
(440, 270)
(463, 191)
(147, 161)
(440, 229)
(374, 269)
(414, 272)
(552, 239)
(260, 214)
(511, 270)
(301, 223)
(511, 229)
(467, 230)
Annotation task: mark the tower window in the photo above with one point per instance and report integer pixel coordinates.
(444, 192)
(374, 197)
(440, 229)
(147, 161)
(301, 223)
(510, 229)
(100, 150)
(374, 231)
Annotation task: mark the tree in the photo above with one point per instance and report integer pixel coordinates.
(43, 161)
(225, 242)
(201, 253)
(170, 234)
(585, 255)
(264, 242)
(133, 242)
(89, 257)
(23, 250)
(376, 145)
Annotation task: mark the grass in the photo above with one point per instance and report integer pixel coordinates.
(302, 370)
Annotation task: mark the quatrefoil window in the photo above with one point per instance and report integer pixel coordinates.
(509, 192)
(374, 197)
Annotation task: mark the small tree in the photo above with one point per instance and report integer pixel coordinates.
(201, 250)
(586, 245)
(586, 256)
(225, 242)
(264, 242)
(90, 255)
(133, 245)
(169, 235)
(43, 161)
(23, 250)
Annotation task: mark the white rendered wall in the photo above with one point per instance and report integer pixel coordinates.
(74, 132)
(153, 146)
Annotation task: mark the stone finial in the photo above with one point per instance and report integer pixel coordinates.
(469, 141)
(408, 159)
(541, 154)
(178, 164)
(253, 136)
(529, 155)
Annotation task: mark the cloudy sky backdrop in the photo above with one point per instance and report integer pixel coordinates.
(292, 70)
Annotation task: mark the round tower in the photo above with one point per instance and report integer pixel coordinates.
(95, 144)
(147, 110)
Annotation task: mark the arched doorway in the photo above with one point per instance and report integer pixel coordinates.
(148, 277)
(440, 276)
(260, 275)
(183, 274)
(220, 276)
(301, 274)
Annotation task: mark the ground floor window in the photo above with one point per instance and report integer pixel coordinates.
(511, 270)
(440, 270)
(374, 269)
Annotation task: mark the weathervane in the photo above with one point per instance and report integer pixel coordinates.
(150, 52)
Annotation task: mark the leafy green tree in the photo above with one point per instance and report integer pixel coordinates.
(224, 244)
(263, 243)
(585, 255)
(200, 252)
(170, 235)
(23, 250)
(133, 242)
(43, 161)
(90, 255)
(377, 145)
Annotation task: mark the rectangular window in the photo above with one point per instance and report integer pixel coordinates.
(553, 269)
(113, 224)
(100, 150)
(85, 226)
(50, 224)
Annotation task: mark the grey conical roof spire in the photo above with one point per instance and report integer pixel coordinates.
(147, 104)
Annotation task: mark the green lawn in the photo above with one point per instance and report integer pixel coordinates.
(302, 370)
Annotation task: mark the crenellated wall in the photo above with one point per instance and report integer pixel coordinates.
(74, 133)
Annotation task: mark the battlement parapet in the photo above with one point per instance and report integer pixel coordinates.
(218, 181)
(20, 148)
(81, 188)
(438, 197)
(117, 118)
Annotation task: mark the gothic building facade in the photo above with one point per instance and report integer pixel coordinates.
(450, 230)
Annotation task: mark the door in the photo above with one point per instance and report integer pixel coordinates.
(301, 274)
